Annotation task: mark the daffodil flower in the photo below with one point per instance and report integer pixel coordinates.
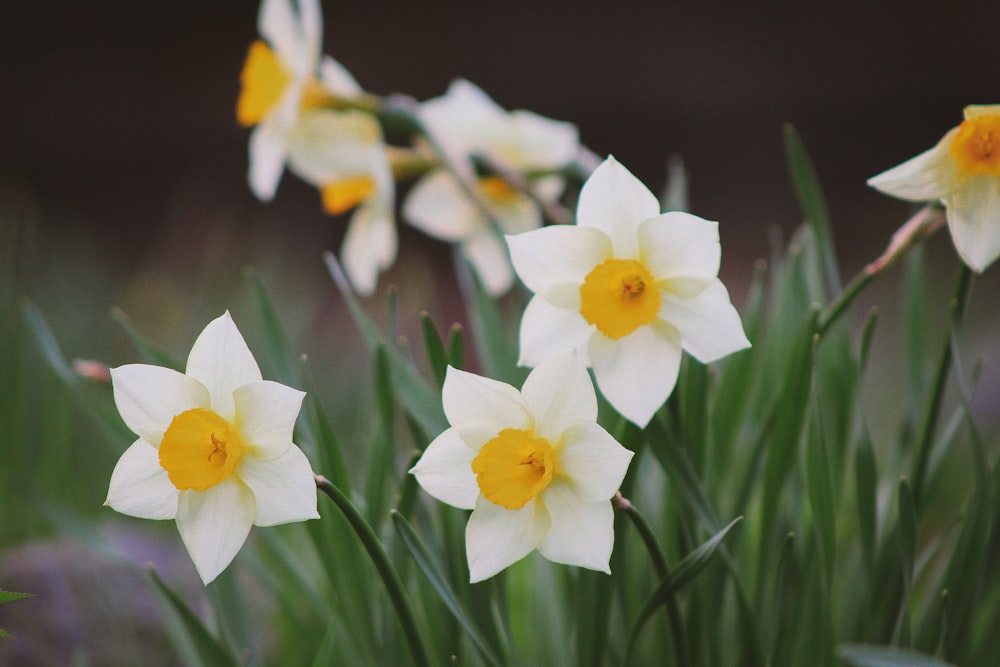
(283, 76)
(343, 154)
(466, 122)
(533, 465)
(214, 450)
(962, 171)
(629, 288)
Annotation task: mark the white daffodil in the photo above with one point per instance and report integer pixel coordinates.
(215, 448)
(533, 465)
(284, 75)
(629, 288)
(342, 153)
(466, 122)
(963, 171)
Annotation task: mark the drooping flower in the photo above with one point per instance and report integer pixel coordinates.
(533, 465)
(963, 172)
(343, 154)
(466, 122)
(629, 288)
(283, 76)
(214, 450)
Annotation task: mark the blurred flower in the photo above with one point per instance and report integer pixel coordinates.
(215, 448)
(535, 467)
(466, 123)
(283, 76)
(628, 287)
(963, 171)
(342, 153)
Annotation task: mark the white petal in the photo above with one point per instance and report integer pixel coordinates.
(311, 23)
(445, 470)
(581, 533)
(546, 329)
(488, 255)
(974, 221)
(140, 486)
(265, 416)
(267, 158)
(149, 397)
(559, 394)
(214, 524)
(278, 24)
(554, 261)
(709, 325)
(369, 246)
(437, 206)
(465, 118)
(284, 488)
(337, 79)
(680, 245)
(637, 373)
(479, 405)
(221, 360)
(591, 462)
(616, 202)
(496, 538)
(926, 177)
(519, 213)
(543, 143)
(326, 145)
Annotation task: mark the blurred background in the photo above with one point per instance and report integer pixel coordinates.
(122, 175)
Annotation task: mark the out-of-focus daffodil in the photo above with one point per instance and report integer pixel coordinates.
(629, 288)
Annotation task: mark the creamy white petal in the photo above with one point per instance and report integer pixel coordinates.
(311, 24)
(546, 329)
(326, 145)
(265, 416)
(488, 255)
(221, 360)
(465, 118)
(516, 213)
(437, 206)
(445, 470)
(496, 538)
(926, 177)
(140, 486)
(591, 462)
(554, 261)
(284, 488)
(680, 245)
(267, 159)
(474, 402)
(369, 246)
(214, 524)
(616, 202)
(278, 24)
(637, 373)
(580, 533)
(974, 220)
(559, 394)
(149, 397)
(709, 325)
(543, 143)
(335, 78)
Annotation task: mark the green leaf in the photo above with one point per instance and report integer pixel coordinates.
(150, 352)
(439, 582)
(907, 557)
(209, 649)
(436, 355)
(865, 655)
(456, 347)
(494, 341)
(276, 347)
(819, 485)
(381, 454)
(10, 596)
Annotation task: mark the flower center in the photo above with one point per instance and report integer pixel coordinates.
(619, 296)
(514, 467)
(263, 80)
(976, 146)
(199, 450)
(346, 193)
(497, 189)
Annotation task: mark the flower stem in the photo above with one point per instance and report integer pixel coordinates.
(681, 651)
(390, 578)
(933, 407)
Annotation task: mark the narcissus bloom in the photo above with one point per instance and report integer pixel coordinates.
(342, 153)
(629, 288)
(963, 171)
(215, 448)
(284, 75)
(466, 122)
(534, 465)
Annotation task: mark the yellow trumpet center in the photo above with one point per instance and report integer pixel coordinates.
(618, 296)
(497, 189)
(976, 146)
(199, 450)
(346, 193)
(263, 80)
(514, 467)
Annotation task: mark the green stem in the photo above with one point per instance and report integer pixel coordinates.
(390, 578)
(681, 651)
(933, 407)
(843, 300)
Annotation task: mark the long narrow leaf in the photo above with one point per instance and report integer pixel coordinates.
(211, 651)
